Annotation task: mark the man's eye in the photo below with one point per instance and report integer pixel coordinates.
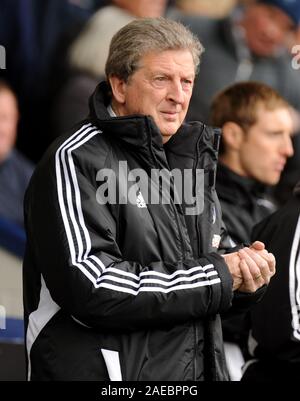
(160, 79)
(275, 133)
(187, 83)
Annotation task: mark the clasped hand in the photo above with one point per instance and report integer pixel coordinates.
(251, 267)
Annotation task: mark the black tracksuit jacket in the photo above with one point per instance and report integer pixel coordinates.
(243, 201)
(123, 291)
(244, 204)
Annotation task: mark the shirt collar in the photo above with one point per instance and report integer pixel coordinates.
(110, 111)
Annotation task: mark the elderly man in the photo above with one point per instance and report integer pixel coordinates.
(119, 286)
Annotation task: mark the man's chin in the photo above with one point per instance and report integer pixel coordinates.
(170, 131)
(272, 181)
(167, 136)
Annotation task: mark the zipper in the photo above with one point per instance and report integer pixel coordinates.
(182, 246)
(194, 191)
(197, 221)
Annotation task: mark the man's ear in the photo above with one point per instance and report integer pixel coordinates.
(233, 136)
(118, 87)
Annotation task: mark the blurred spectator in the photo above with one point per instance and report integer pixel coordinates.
(256, 142)
(88, 55)
(246, 2)
(30, 31)
(216, 8)
(249, 45)
(15, 170)
(275, 340)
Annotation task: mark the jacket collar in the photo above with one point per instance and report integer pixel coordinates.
(194, 137)
(236, 188)
(136, 130)
(140, 132)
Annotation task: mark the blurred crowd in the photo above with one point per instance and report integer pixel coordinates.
(56, 52)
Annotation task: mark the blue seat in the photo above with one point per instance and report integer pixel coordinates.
(13, 331)
(12, 237)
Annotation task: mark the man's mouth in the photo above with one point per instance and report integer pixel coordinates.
(172, 115)
(280, 166)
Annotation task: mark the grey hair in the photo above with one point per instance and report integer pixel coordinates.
(144, 35)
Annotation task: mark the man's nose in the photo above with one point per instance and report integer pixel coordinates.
(176, 92)
(287, 147)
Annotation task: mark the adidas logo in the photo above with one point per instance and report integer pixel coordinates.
(140, 202)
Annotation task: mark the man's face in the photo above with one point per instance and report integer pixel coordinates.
(267, 29)
(267, 145)
(8, 122)
(162, 88)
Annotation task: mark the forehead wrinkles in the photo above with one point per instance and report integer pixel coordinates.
(172, 60)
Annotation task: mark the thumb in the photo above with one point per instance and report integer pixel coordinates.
(258, 246)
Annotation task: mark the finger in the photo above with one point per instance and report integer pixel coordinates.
(246, 274)
(259, 281)
(248, 282)
(262, 264)
(269, 258)
(272, 263)
(250, 261)
(262, 252)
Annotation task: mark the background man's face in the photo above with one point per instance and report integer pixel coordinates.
(162, 88)
(8, 122)
(267, 29)
(267, 145)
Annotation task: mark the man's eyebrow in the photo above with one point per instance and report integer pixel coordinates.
(170, 73)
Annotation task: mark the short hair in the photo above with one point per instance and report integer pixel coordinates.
(239, 103)
(144, 35)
